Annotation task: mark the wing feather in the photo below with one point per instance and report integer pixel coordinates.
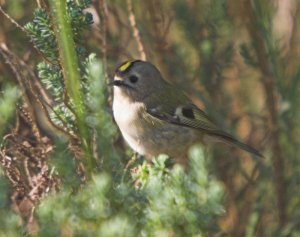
(185, 115)
(191, 116)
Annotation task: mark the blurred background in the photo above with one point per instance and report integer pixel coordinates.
(238, 60)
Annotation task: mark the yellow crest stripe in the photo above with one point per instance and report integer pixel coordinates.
(125, 65)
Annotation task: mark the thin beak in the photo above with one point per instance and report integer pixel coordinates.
(119, 83)
(116, 83)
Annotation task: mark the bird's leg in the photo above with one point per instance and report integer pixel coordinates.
(131, 161)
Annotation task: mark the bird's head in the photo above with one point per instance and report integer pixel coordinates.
(137, 80)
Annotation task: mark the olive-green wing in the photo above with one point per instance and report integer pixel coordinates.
(189, 115)
(185, 115)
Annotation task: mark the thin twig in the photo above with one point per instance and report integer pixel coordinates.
(103, 29)
(135, 31)
(12, 20)
(103, 13)
(26, 79)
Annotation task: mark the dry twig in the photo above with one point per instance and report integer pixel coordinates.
(135, 31)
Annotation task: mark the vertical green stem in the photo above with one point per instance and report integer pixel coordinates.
(69, 64)
(262, 47)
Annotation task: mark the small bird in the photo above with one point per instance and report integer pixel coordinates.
(156, 118)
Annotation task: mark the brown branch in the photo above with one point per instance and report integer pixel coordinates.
(135, 31)
(103, 10)
(271, 100)
(42, 4)
(160, 20)
(33, 93)
(12, 20)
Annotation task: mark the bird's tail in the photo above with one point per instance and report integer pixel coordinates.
(221, 136)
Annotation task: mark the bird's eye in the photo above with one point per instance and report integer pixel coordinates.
(133, 79)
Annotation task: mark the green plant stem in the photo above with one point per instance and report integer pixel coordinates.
(69, 64)
(261, 47)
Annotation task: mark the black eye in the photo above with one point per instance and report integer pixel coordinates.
(133, 79)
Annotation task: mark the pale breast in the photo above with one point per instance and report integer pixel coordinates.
(148, 135)
(127, 116)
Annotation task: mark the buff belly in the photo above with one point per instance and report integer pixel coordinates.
(150, 136)
(169, 139)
